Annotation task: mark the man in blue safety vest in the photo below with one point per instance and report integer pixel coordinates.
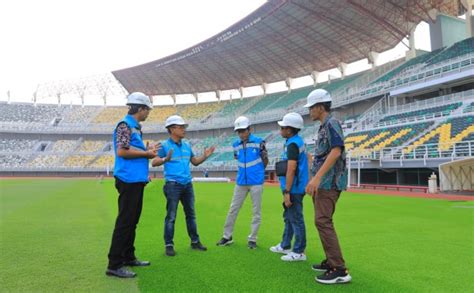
(131, 176)
(176, 154)
(293, 183)
(251, 154)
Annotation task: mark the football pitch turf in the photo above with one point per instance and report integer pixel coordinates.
(55, 235)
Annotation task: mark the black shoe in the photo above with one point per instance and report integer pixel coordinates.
(198, 246)
(121, 273)
(169, 250)
(252, 244)
(322, 267)
(335, 276)
(224, 241)
(136, 263)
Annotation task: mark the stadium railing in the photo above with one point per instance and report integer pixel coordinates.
(457, 64)
(370, 118)
(424, 153)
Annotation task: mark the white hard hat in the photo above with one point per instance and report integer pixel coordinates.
(241, 122)
(138, 98)
(175, 120)
(292, 120)
(317, 96)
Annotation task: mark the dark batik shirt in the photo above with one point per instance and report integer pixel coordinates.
(330, 135)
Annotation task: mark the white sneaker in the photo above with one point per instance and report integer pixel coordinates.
(294, 257)
(278, 249)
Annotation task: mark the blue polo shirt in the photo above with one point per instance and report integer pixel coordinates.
(177, 169)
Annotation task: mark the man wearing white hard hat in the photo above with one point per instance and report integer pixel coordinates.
(329, 179)
(251, 154)
(131, 176)
(292, 172)
(176, 154)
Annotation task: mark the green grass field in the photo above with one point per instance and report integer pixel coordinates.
(55, 236)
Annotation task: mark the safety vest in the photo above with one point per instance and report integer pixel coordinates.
(178, 169)
(131, 170)
(301, 177)
(251, 170)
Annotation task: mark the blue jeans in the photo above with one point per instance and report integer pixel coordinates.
(176, 192)
(294, 224)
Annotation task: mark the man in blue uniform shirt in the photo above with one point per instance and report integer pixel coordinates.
(251, 154)
(292, 184)
(176, 154)
(131, 176)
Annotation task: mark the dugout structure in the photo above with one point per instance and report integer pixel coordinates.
(457, 175)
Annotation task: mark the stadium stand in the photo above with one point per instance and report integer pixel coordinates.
(17, 145)
(110, 115)
(384, 137)
(420, 60)
(438, 111)
(451, 131)
(77, 114)
(469, 108)
(458, 49)
(103, 161)
(90, 146)
(45, 161)
(263, 103)
(12, 160)
(160, 113)
(77, 161)
(64, 146)
(231, 107)
(29, 112)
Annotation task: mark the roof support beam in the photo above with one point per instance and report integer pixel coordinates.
(314, 76)
(288, 82)
(342, 67)
(411, 39)
(173, 96)
(373, 58)
(264, 88)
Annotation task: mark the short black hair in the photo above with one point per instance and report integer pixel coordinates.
(294, 130)
(134, 108)
(327, 106)
(248, 128)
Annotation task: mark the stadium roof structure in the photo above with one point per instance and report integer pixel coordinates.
(282, 39)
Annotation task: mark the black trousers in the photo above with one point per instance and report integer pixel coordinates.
(130, 203)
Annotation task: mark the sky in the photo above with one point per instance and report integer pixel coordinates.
(53, 40)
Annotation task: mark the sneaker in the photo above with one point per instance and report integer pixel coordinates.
(120, 273)
(292, 256)
(335, 276)
(322, 267)
(169, 250)
(136, 263)
(252, 244)
(278, 249)
(198, 246)
(224, 241)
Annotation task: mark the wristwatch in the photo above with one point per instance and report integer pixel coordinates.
(286, 191)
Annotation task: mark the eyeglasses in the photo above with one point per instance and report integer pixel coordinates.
(284, 127)
(241, 130)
